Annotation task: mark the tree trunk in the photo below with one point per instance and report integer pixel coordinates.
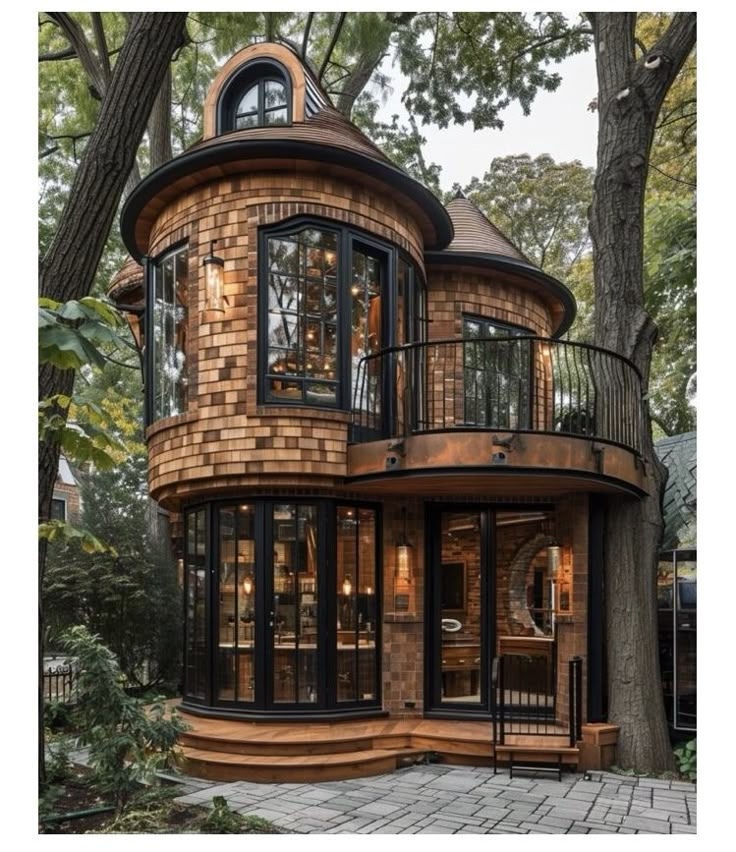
(359, 78)
(68, 269)
(159, 125)
(630, 95)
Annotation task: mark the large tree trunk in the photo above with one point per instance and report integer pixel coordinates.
(630, 94)
(159, 125)
(68, 269)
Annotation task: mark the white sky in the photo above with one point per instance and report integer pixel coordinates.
(559, 124)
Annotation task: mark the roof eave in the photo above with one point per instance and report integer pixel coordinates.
(510, 264)
(239, 149)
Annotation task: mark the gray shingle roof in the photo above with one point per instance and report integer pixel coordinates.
(679, 454)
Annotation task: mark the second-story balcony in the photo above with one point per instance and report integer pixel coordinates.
(525, 403)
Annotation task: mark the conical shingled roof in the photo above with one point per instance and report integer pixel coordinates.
(476, 234)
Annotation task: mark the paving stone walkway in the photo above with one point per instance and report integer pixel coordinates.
(439, 799)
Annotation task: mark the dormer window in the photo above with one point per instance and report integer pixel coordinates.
(258, 95)
(264, 103)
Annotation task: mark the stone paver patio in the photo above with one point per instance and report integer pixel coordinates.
(438, 799)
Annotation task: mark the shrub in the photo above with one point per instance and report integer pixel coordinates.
(686, 757)
(127, 742)
(221, 820)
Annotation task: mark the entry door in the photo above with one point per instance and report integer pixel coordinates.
(460, 610)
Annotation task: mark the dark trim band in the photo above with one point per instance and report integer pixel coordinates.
(239, 149)
(518, 267)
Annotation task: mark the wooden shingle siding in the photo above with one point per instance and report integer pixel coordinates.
(453, 292)
(226, 440)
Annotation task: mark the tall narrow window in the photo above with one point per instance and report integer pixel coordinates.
(496, 375)
(196, 673)
(366, 291)
(169, 326)
(302, 317)
(357, 575)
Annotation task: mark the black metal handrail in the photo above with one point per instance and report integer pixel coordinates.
(524, 384)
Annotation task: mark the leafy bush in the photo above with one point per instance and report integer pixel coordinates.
(58, 764)
(221, 820)
(55, 715)
(127, 741)
(686, 757)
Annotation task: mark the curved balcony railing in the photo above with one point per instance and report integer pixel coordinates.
(524, 384)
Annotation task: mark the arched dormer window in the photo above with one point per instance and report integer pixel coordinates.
(257, 95)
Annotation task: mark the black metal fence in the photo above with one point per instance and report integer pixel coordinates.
(525, 698)
(528, 384)
(60, 684)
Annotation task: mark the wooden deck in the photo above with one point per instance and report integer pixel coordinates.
(225, 750)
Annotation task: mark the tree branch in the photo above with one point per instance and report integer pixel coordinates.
(331, 47)
(101, 42)
(91, 64)
(58, 55)
(671, 177)
(305, 40)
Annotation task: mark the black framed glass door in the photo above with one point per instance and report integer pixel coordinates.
(282, 605)
(460, 593)
(495, 585)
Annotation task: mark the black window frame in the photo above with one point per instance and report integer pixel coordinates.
(508, 330)
(259, 71)
(348, 236)
(150, 265)
(263, 706)
(64, 513)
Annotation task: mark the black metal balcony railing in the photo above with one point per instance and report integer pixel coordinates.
(525, 384)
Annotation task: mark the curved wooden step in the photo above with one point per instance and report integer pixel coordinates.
(227, 766)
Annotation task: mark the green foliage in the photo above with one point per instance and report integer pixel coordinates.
(686, 757)
(58, 763)
(541, 205)
(55, 715)
(221, 820)
(670, 252)
(127, 742)
(469, 66)
(129, 595)
(401, 143)
(147, 812)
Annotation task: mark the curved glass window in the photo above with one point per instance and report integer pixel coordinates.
(282, 605)
(168, 336)
(330, 299)
(264, 103)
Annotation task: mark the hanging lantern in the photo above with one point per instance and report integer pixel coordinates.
(553, 560)
(404, 554)
(248, 584)
(347, 585)
(214, 274)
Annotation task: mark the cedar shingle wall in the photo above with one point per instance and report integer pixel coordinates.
(492, 295)
(225, 439)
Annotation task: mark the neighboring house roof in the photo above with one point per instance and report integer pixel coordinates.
(65, 475)
(679, 454)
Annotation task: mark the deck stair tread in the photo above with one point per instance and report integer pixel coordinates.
(283, 761)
